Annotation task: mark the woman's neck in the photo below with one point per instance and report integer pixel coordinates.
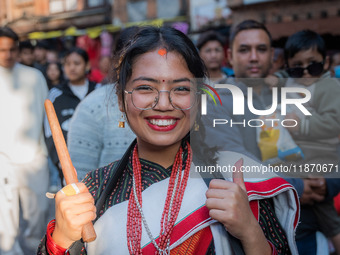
(55, 82)
(78, 82)
(164, 156)
(215, 74)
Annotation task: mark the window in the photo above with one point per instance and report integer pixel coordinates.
(94, 3)
(323, 14)
(62, 5)
(309, 15)
(277, 18)
(137, 10)
(168, 10)
(23, 1)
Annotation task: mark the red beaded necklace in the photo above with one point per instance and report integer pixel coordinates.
(174, 197)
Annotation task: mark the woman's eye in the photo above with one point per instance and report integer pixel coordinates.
(182, 90)
(243, 50)
(144, 87)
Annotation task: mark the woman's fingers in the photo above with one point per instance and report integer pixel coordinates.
(74, 208)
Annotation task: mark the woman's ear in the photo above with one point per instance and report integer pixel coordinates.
(326, 64)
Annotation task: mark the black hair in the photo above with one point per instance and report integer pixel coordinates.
(210, 36)
(125, 35)
(8, 32)
(304, 40)
(247, 25)
(26, 45)
(42, 44)
(78, 51)
(151, 38)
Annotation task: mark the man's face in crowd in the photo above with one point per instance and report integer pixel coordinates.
(335, 62)
(26, 56)
(251, 54)
(8, 52)
(40, 54)
(212, 54)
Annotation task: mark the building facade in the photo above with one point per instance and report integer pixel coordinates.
(285, 17)
(27, 16)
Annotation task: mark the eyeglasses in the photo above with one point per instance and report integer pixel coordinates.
(314, 69)
(146, 97)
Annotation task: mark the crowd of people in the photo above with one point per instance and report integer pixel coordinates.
(135, 132)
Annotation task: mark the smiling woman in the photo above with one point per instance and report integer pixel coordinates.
(149, 202)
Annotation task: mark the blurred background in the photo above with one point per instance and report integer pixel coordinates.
(95, 24)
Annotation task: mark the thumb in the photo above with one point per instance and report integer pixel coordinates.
(238, 174)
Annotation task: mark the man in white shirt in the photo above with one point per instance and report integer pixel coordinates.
(23, 155)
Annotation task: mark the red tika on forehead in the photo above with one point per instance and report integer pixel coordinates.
(162, 52)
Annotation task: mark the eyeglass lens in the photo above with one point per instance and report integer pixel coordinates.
(147, 97)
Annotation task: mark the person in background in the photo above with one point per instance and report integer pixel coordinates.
(23, 154)
(278, 60)
(40, 52)
(67, 96)
(98, 75)
(307, 65)
(104, 67)
(54, 74)
(52, 56)
(335, 64)
(94, 138)
(54, 77)
(210, 45)
(250, 54)
(26, 53)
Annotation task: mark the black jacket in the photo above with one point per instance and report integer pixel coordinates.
(65, 103)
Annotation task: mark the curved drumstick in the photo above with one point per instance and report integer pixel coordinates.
(69, 172)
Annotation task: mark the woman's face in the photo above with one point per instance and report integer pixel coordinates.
(163, 125)
(75, 68)
(53, 72)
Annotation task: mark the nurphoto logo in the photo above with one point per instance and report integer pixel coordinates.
(239, 105)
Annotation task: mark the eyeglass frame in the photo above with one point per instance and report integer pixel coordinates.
(157, 98)
(305, 68)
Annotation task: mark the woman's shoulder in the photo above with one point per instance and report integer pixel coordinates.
(97, 180)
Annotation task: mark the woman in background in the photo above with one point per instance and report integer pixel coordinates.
(66, 96)
(54, 74)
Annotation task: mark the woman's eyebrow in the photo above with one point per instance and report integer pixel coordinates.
(181, 80)
(143, 78)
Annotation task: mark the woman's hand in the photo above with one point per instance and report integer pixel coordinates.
(72, 213)
(228, 204)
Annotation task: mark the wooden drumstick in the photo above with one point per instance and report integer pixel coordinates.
(69, 172)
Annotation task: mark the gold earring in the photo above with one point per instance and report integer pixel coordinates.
(196, 126)
(121, 123)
